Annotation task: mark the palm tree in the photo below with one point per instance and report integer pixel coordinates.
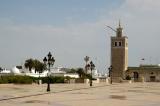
(36, 65)
(29, 63)
(86, 59)
(39, 66)
(80, 72)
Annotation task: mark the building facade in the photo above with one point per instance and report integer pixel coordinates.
(144, 73)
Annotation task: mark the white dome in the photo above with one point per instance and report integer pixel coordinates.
(15, 70)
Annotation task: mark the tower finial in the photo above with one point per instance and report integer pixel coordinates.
(119, 30)
(119, 23)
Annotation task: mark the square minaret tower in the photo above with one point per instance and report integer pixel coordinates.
(119, 55)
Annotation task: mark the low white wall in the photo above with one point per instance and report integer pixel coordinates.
(71, 75)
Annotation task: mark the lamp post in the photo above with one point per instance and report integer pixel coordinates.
(110, 72)
(49, 60)
(92, 66)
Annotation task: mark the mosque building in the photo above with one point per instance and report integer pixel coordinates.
(119, 62)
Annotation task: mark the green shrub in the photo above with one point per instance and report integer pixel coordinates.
(29, 80)
(4, 80)
(53, 79)
(128, 77)
(16, 79)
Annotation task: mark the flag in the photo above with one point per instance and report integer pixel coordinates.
(142, 59)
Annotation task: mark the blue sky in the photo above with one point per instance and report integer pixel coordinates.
(55, 12)
(72, 29)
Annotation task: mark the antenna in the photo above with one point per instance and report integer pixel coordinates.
(119, 23)
(112, 28)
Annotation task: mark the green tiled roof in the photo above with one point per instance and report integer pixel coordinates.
(145, 67)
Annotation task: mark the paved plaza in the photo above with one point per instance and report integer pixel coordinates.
(124, 94)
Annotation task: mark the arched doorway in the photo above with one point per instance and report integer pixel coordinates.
(135, 76)
(152, 78)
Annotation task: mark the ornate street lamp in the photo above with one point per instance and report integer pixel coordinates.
(110, 72)
(50, 62)
(91, 66)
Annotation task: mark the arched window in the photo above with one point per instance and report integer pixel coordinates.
(115, 43)
(120, 43)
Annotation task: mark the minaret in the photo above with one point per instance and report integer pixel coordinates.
(119, 55)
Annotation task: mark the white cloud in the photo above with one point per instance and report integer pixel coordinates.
(143, 5)
(69, 43)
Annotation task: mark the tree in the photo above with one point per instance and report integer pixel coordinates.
(1, 69)
(39, 66)
(86, 59)
(72, 70)
(80, 72)
(29, 63)
(36, 64)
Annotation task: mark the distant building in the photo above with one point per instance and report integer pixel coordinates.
(144, 73)
(5, 71)
(57, 71)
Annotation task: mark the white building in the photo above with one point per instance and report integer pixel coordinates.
(5, 71)
(57, 71)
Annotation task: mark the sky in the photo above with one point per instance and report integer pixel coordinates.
(73, 29)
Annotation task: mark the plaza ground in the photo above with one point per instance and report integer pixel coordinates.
(124, 94)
